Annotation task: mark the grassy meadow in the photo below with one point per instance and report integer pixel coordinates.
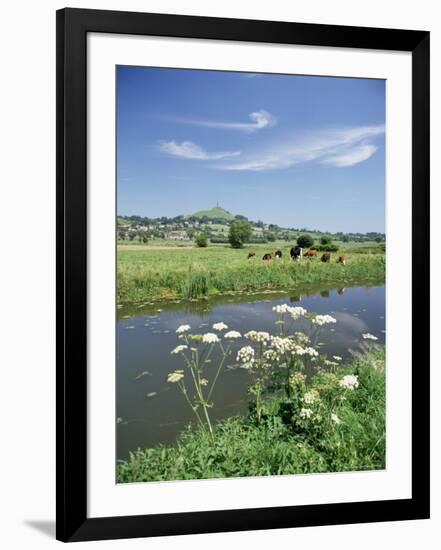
(153, 271)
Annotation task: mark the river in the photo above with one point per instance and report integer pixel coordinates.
(151, 411)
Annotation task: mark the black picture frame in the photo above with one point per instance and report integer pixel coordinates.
(71, 428)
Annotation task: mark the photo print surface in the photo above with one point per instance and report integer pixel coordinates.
(250, 236)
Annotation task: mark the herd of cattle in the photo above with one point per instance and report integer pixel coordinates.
(297, 253)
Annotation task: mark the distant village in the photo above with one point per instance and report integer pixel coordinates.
(175, 231)
(214, 223)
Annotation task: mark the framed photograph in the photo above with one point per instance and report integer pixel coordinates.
(242, 275)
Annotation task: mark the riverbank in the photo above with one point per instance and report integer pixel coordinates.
(148, 274)
(344, 431)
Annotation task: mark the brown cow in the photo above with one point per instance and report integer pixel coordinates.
(267, 256)
(341, 260)
(310, 253)
(326, 257)
(251, 255)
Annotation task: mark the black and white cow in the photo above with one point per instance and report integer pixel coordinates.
(296, 252)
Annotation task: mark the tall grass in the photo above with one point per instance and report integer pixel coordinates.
(149, 274)
(280, 444)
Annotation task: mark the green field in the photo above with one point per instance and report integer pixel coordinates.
(279, 444)
(164, 269)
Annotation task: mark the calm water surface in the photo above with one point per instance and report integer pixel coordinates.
(151, 411)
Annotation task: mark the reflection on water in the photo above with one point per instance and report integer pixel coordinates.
(150, 411)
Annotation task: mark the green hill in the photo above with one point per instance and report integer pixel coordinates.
(217, 212)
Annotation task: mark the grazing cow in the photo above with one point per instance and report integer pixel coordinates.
(278, 254)
(326, 257)
(342, 260)
(296, 252)
(310, 253)
(251, 255)
(267, 256)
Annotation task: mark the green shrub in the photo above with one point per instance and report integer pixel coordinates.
(219, 240)
(330, 247)
(201, 240)
(305, 241)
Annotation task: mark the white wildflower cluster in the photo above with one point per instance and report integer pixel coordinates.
(301, 338)
(321, 320)
(279, 346)
(294, 311)
(330, 363)
(311, 396)
(179, 349)
(349, 382)
(175, 376)
(220, 326)
(300, 351)
(183, 328)
(246, 356)
(210, 338)
(335, 418)
(369, 336)
(232, 334)
(297, 378)
(337, 357)
(281, 308)
(305, 413)
(258, 336)
(271, 354)
(297, 312)
(204, 382)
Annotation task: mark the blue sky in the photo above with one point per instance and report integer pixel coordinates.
(297, 151)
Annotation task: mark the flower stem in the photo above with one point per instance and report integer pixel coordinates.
(217, 374)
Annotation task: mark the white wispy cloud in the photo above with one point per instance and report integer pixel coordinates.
(351, 157)
(259, 120)
(190, 150)
(338, 147)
